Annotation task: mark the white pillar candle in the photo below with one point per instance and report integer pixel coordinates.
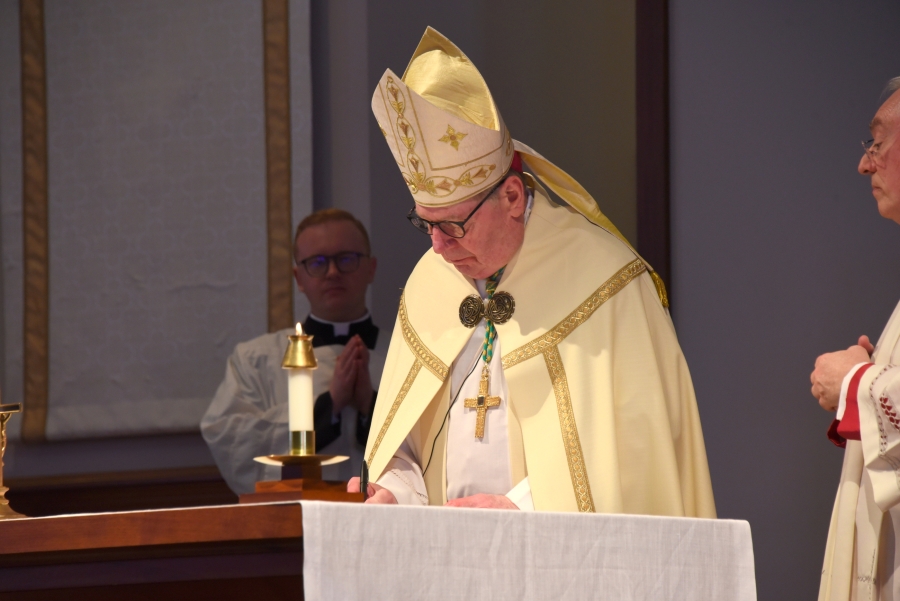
(300, 397)
(300, 400)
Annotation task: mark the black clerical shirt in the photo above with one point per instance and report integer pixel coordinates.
(328, 427)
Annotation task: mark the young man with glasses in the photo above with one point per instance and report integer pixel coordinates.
(248, 415)
(534, 364)
(862, 384)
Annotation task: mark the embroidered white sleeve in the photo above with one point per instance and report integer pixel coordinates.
(403, 477)
(879, 420)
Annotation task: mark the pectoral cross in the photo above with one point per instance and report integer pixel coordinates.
(482, 402)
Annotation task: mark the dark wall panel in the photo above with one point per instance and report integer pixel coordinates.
(778, 251)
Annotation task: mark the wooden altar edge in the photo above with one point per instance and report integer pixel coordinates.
(273, 588)
(202, 568)
(242, 550)
(190, 527)
(104, 492)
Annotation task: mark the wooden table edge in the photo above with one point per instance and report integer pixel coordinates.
(151, 527)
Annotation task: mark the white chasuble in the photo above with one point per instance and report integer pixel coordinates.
(598, 402)
(862, 559)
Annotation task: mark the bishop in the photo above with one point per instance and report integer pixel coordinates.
(595, 410)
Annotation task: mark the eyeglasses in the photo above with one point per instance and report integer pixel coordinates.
(873, 151)
(345, 262)
(454, 229)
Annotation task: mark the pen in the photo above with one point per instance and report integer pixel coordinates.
(364, 480)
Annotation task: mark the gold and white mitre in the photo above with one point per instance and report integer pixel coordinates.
(449, 140)
(441, 125)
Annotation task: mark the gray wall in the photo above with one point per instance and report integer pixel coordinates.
(156, 161)
(153, 134)
(779, 253)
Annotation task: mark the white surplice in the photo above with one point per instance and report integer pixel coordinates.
(862, 557)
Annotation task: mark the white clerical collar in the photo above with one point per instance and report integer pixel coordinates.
(340, 328)
(530, 204)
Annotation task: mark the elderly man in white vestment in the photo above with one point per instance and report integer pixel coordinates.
(533, 363)
(248, 416)
(862, 383)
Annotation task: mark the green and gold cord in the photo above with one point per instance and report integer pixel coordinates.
(490, 332)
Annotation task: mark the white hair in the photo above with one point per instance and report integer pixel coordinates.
(892, 85)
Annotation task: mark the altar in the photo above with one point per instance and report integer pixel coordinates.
(390, 552)
(325, 551)
(224, 552)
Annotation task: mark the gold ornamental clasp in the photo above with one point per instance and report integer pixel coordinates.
(499, 309)
(471, 310)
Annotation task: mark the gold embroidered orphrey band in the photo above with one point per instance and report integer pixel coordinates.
(423, 357)
(404, 390)
(571, 441)
(546, 345)
(577, 317)
(428, 359)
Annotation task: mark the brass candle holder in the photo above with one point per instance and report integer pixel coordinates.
(301, 470)
(6, 512)
(299, 355)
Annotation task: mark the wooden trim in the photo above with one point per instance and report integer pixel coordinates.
(116, 479)
(34, 220)
(652, 104)
(225, 589)
(278, 164)
(150, 528)
(119, 491)
(225, 553)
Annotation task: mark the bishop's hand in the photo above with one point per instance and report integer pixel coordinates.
(378, 495)
(483, 501)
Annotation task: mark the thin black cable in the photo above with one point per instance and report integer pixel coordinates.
(448, 413)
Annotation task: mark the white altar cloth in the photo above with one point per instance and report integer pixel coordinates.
(353, 551)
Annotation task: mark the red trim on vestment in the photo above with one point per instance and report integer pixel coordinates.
(848, 427)
(835, 438)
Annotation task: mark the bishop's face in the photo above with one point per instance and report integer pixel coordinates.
(493, 234)
(882, 162)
